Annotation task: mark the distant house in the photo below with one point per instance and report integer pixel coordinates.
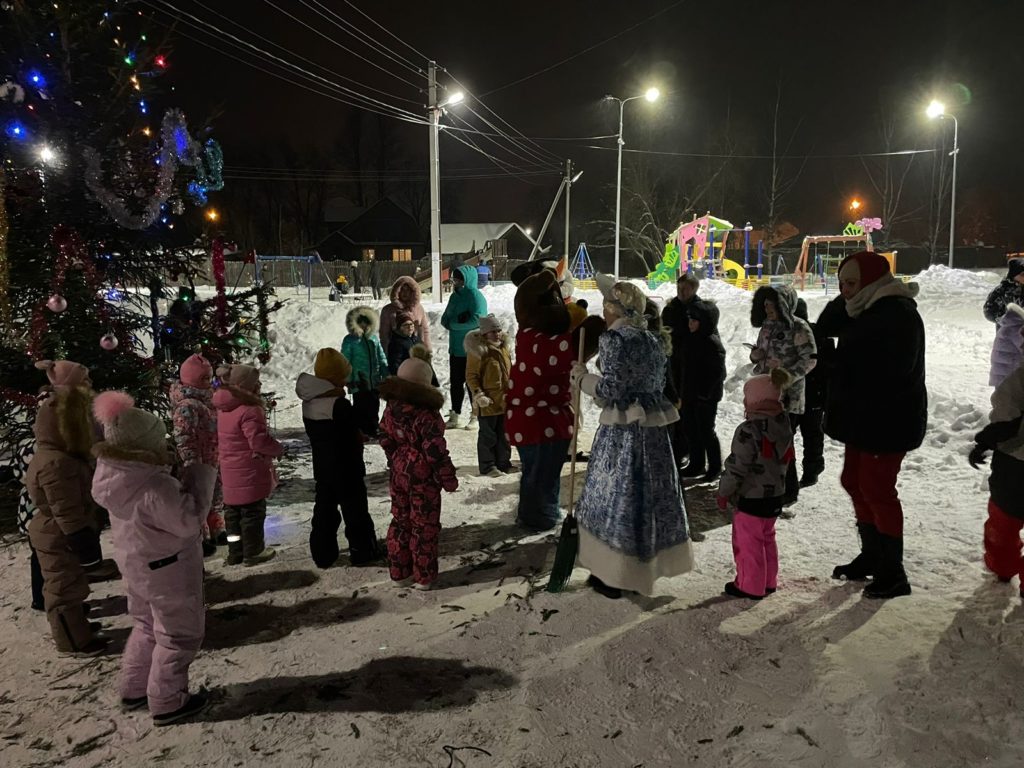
(384, 231)
(505, 240)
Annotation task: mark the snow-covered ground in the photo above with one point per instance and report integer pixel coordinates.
(340, 668)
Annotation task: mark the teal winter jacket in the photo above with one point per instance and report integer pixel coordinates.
(363, 351)
(468, 303)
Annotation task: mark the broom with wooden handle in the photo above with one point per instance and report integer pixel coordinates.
(569, 539)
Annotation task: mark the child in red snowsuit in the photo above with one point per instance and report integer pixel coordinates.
(412, 436)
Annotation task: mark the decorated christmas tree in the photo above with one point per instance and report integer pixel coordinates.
(105, 224)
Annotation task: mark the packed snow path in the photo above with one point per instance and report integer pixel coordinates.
(339, 668)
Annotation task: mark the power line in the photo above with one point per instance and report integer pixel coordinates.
(202, 25)
(339, 45)
(312, 89)
(708, 155)
(381, 26)
(588, 49)
(500, 163)
(528, 159)
(363, 36)
(333, 72)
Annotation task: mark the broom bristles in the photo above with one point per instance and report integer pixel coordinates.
(565, 555)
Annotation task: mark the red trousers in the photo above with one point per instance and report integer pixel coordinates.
(1002, 544)
(870, 480)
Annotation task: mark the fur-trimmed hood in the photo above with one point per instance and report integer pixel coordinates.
(397, 286)
(104, 450)
(1017, 311)
(412, 393)
(357, 313)
(63, 422)
(475, 343)
(785, 299)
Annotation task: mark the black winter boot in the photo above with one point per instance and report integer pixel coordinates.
(890, 578)
(864, 565)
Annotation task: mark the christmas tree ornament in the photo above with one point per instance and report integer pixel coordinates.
(56, 303)
(109, 342)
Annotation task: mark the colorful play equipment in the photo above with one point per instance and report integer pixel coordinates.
(856, 236)
(701, 244)
(582, 269)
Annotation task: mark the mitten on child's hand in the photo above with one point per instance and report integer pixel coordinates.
(482, 401)
(576, 374)
(722, 502)
(450, 484)
(977, 456)
(463, 317)
(86, 544)
(757, 355)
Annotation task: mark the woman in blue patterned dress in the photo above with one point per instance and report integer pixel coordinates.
(633, 527)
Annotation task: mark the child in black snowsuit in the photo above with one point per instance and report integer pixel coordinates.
(703, 377)
(333, 427)
(401, 341)
(812, 425)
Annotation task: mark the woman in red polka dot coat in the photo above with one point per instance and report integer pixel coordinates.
(539, 419)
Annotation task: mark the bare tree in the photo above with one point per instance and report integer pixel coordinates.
(784, 173)
(888, 176)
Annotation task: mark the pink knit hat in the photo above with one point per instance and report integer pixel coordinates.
(196, 372)
(63, 374)
(763, 394)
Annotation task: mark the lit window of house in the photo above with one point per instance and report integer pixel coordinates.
(369, 253)
(401, 254)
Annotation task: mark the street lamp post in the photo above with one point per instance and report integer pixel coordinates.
(651, 94)
(938, 109)
(436, 109)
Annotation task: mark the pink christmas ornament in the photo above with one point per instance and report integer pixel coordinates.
(57, 303)
(109, 342)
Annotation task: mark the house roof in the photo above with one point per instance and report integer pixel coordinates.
(340, 210)
(462, 238)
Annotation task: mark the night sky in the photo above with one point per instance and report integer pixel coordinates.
(842, 67)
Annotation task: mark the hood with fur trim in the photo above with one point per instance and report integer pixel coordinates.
(419, 395)
(359, 313)
(785, 299)
(417, 294)
(227, 398)
(475, 344)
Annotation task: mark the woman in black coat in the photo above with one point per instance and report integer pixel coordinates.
(877, 407)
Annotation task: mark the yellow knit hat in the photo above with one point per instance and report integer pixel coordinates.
(332, 366)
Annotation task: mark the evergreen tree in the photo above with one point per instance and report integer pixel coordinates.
(103, 202)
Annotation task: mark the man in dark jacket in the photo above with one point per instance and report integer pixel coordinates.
(338, 470)
(812, 425)
(877, 406)
(703, 377)
(676, 319)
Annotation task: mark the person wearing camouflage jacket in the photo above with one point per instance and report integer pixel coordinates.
(785, 341)
(1010, 290)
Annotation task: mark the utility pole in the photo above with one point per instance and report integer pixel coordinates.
(952, 187)
(568, 189)
(435, 184)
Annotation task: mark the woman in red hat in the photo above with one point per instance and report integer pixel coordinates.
(877, 407)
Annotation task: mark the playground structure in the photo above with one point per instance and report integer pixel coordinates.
(701, 245)
(825, 267)
(582, 269)
(307, 264)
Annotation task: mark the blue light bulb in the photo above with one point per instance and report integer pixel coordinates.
(37, 79)
(15, 130)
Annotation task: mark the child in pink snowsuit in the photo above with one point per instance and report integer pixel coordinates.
(155, 521)
(195, 432)
(754, 481)
(247, 452)
(412, 436)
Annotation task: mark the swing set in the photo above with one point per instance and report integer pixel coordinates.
(825, 266)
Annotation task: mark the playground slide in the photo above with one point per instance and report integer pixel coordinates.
(732, 270)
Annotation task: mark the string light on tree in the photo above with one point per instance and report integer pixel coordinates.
(212, 214)
(46, 154)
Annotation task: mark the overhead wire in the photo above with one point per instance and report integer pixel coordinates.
(319, 91)
(527, 159)
(340, 45)
(363, 36)
(376, 105)
(381, 26)
(723, 156)
(280, 47)
(588, 49)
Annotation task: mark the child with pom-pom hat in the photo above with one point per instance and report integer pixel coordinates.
(155, 520)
